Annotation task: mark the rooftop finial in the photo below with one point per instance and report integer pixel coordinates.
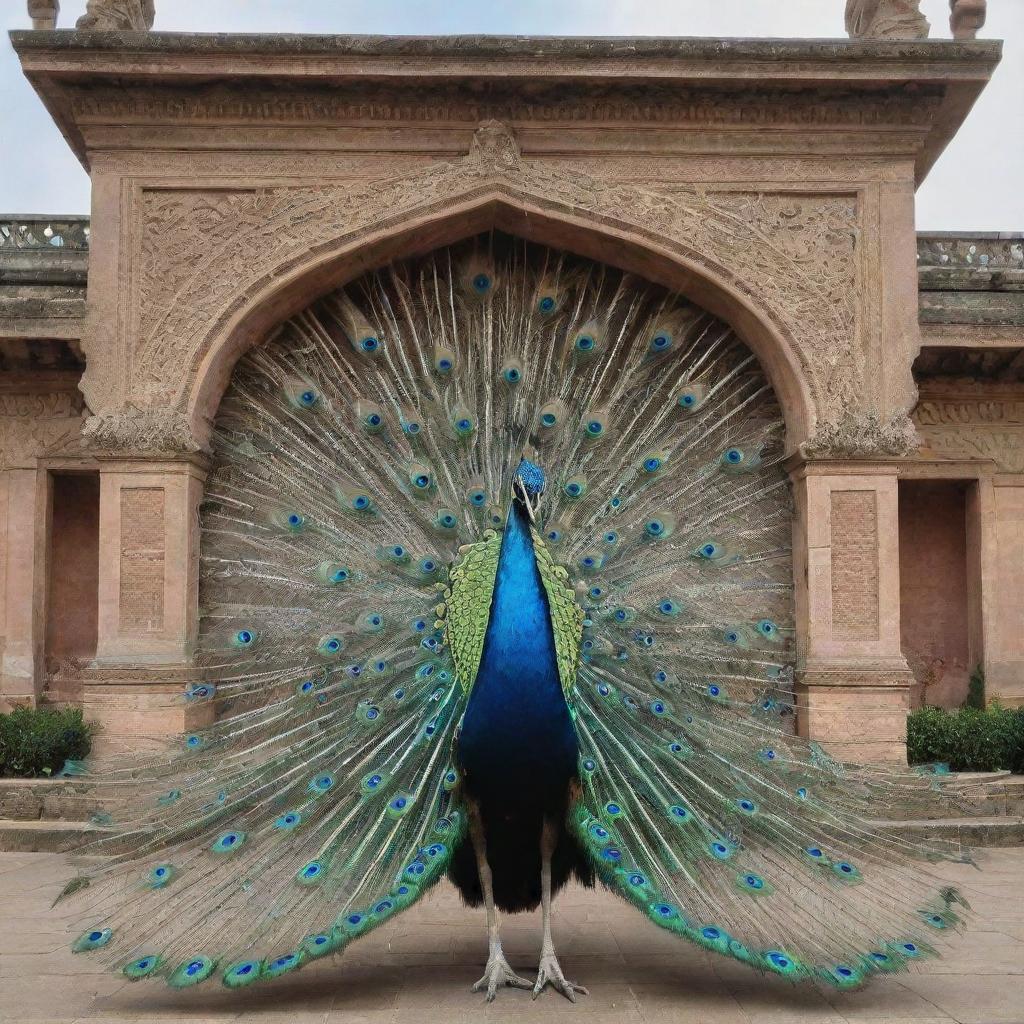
(966, 17)
(118, 16)
(886, 19)
(44, 13)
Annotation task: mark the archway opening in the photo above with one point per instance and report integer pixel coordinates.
(379, 432)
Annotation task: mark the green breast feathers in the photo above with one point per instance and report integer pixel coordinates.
(467, 607)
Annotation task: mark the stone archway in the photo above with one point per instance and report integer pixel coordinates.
(219, 269)
(671, 260)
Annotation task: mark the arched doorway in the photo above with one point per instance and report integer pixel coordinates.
(375, 435)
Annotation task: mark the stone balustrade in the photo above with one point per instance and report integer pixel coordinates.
(983, 251)
(44, 232)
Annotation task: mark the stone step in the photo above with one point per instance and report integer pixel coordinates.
(988, 830)
(971, 794)
(20, 836)
(51, 800)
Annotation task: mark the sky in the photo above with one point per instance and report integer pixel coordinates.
(977, 185)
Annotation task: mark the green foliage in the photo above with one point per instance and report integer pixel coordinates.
(37, 741)
(976, 690)
(968, 740)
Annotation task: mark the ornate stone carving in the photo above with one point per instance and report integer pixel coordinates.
(494, 145)
(151, 431)
(543, 107)
(118, 16)
(204, 252)
(861, 435)
(44, 14)
(36, 424)
(966, 419)
(966, 18)
(886, 19)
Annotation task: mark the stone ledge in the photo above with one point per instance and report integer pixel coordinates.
(625, 48)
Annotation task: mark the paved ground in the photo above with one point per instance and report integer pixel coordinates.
(418, 969)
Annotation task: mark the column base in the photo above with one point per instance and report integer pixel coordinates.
(856, 714)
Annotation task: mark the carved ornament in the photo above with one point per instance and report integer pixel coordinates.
(861, 435)
(131, 430)
(973, 420)
(36, 425)
(117, 16)
(886, 19)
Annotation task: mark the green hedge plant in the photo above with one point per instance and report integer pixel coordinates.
(38, 741)
(968, 740)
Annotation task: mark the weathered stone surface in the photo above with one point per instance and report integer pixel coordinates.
(117, 16)
(886, 19)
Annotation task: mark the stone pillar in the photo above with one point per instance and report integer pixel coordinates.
(853, 683)
(25, 535)
(148, 598)
(1004, 637)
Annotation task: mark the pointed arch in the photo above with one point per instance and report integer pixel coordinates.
(281, 290)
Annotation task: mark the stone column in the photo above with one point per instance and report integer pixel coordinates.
(1004, 637)
(853, 683)
(148, 597)
(25, 535)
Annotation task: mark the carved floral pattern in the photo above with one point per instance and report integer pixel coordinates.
(205, 252)
(35, 425)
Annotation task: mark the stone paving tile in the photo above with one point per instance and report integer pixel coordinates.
(418, 970)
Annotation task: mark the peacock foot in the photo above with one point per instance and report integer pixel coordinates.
(497, 972)
(550, 973)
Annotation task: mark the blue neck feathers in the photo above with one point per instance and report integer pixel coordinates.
(517, 719)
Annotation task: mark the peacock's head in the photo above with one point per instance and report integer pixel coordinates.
(528, 485)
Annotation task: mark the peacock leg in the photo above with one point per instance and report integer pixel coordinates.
(497, 972)
(550, 970)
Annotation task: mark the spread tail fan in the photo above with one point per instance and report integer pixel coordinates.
(364, 461)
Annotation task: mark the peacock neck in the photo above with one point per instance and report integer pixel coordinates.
(517, 713)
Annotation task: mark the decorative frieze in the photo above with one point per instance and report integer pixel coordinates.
(366, 104)
(36, 424)
(970, 252)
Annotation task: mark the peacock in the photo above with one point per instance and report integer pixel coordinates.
(496, 584)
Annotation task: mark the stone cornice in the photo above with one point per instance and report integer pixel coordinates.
(935, 81)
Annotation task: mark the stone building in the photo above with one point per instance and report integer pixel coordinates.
(237, 178)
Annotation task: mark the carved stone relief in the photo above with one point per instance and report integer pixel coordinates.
(971, 420)
(861, 435)
(36, 425)
(159, 431)
(201, 254)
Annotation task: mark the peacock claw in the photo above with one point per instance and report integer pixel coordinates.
(550, 973)
(498, 972)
